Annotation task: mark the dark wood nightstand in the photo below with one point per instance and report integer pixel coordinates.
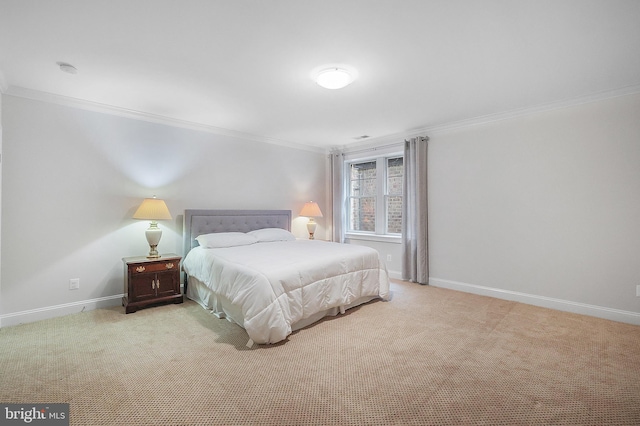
(151, 281)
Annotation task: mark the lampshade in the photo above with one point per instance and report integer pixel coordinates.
(334, 78)
(152, 209)
(311, 209)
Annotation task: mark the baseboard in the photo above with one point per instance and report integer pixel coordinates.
(395, 275)
(33, 315)
(542, 301)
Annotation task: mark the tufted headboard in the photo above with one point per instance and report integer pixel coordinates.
(198, 222)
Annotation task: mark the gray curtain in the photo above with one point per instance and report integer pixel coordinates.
(337, 194)
(415, 255)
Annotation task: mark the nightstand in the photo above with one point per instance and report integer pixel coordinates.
(151, 281)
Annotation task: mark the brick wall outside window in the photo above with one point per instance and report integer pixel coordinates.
(363, 190)
(395, 170)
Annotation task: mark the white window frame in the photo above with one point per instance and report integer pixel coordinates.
(380, 156)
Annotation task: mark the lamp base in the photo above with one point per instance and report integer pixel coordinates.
(311, 227)
(153, 253)
(153, 235)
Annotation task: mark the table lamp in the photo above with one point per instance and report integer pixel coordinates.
(311, 210)
(153, 209)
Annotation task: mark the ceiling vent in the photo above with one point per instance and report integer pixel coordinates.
(68, 68)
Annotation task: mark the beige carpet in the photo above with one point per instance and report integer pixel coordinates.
(429, 356)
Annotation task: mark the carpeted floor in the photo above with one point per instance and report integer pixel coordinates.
(430, 356)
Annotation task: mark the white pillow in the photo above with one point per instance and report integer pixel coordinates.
(225, 239)
(272, 234)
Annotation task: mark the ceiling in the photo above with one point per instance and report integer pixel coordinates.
(245, 67)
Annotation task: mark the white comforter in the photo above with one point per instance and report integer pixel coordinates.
(277, 284)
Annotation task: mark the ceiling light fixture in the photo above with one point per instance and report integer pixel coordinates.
(68, 68)
(334, 78)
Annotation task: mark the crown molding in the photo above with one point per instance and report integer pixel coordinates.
(489, 118)
(521, 112)
(37, 95)
(368, 144)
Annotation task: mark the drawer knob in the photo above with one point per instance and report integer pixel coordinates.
(169, 265)
(140, 269)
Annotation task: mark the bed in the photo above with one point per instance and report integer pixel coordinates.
(276, 284)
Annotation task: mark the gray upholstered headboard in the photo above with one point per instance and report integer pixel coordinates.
(198, 222)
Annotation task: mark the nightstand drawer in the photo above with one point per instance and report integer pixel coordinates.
(154, 267)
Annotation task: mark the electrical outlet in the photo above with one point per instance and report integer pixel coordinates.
(638, 290)
(74, 283)
(389, 258)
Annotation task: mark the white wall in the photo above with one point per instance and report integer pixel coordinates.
(1, 96)
(543, 208)
(73, 178)
(390, 253)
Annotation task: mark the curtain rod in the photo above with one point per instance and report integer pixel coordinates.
(374, 148)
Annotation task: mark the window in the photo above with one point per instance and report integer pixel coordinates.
(393, 195)
(375, 195)
(362, 196)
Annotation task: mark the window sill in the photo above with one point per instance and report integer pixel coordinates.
(392, 239)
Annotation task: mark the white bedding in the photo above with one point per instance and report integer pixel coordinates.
(277, 284)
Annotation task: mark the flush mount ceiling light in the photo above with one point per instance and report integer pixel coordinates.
(334, 78)
(68, 68)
